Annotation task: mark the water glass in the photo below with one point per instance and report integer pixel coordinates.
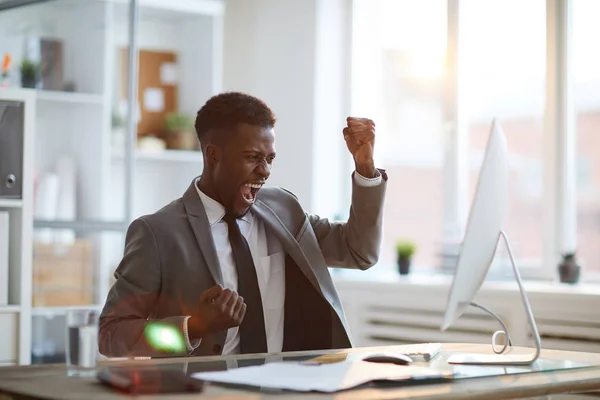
(81, 342)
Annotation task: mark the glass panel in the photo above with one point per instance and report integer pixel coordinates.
(503, 76)
(586, 66)
(176, 76)
(398, 60)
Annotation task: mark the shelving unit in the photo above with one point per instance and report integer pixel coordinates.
(15, 317)
(61, 310)
(9, 203)
(70, 97)
(78, 124)
(177, 8)
(10, 309)
(169, 156)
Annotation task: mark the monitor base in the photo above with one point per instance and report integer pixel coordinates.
(492, 359)
(501, 358)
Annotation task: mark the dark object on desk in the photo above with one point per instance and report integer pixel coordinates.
(148, 380)
(387, 358)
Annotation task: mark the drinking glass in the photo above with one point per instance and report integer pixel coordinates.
(81, 342)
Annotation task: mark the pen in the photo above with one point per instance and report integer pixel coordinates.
(311, 362)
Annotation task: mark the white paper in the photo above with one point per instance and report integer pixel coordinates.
(168, 73)
(322, 378)
(4, 243)
(154, 100)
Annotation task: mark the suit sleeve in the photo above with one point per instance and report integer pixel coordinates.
(355, 243)
(126, 327)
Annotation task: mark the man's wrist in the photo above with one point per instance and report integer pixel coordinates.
(367, 170)
(196, 329)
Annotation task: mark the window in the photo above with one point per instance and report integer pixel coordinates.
(518, 61)
(586, 91)
(503, 77)
(398, 55)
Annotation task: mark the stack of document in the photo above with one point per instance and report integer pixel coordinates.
(319, 377)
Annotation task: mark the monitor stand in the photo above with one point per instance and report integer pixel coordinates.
(502, 357)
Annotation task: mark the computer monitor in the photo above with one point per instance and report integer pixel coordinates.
(485, 227)
(486, 220)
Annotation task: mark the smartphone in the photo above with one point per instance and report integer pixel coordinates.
(148, 380)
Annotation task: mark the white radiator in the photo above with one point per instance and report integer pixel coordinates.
(391, 313)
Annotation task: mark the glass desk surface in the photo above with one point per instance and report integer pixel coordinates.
(453, 371)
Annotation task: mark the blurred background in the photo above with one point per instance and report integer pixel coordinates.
(117, 83)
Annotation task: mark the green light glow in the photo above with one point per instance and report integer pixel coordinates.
(164, 337)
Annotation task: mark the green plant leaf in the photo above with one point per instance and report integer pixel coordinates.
(177, 121)
(405, 248)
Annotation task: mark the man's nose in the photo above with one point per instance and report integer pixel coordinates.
(264, 169)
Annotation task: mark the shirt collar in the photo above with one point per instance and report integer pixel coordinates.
(215, 210)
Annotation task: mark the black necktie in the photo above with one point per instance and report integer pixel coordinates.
(253, 338)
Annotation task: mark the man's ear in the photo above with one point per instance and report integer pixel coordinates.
(212, 153)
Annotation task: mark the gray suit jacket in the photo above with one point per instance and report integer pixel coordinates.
(170, 258)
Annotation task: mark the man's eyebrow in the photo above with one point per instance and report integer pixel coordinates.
(273, 154)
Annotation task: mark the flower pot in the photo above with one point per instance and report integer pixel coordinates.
(30, 83)
(404, 266)
(182, 140)
(569, 271)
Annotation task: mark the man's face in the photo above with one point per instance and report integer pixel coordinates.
(243, 165)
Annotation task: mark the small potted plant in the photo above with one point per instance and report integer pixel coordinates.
(404, 252)
(179, 132)
(30, 74)
(568, 270)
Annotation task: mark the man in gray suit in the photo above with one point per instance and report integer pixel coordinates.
(233, 266)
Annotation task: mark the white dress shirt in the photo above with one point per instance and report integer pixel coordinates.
(270, 269)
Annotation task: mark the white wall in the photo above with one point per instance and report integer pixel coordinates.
(281, 52)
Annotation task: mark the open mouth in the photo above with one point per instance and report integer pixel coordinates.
(249, 191)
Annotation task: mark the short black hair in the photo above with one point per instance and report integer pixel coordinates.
(226, 110)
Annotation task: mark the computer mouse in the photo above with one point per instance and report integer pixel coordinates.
(398, 359)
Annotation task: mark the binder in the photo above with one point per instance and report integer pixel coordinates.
(4, 245)
(11, 149)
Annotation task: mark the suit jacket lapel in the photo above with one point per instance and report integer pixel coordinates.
(274, 224)
(199, 223)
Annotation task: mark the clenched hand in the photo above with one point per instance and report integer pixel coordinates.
(219, 310)
(359, 135)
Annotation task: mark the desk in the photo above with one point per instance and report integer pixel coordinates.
(51, 382)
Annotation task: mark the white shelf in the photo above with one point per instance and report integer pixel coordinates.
(9, 309)
(70, 97)
(11, 203)
(180, 156)
(61, 310)
(179, 7)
